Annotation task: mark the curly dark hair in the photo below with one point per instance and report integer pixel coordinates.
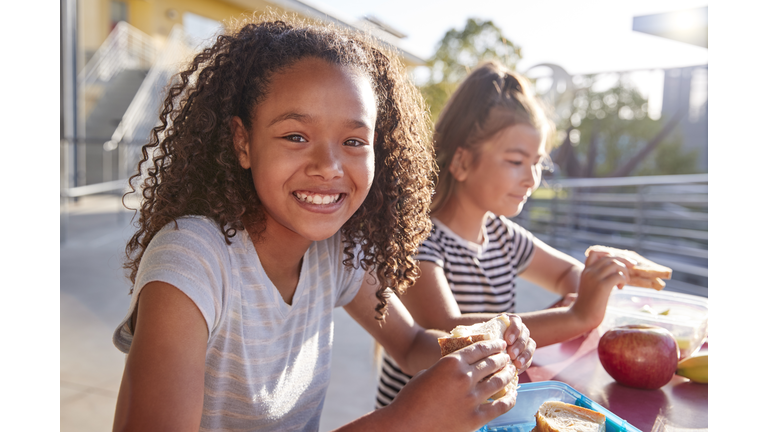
(190, 166)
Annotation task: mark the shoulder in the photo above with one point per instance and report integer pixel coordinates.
(333, 251)
(188, 240)
(194, 224)
(345, 277)
(437, 234)
(196, 229)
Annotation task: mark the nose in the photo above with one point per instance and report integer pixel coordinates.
(532, 178)
(325, 161)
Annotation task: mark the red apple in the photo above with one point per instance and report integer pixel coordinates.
(639, 355)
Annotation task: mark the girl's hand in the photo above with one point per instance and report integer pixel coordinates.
(460, 384)
(601, 273)
(520, 346)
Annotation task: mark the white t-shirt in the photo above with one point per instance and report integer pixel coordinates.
(481, 277)
(267, 362)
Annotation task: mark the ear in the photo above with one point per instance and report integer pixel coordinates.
(460, 164)
(240, 142)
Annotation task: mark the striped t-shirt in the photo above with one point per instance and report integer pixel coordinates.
(481, 277)
(267, 364)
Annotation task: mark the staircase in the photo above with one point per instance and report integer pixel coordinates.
(108, 84)
(106, 114)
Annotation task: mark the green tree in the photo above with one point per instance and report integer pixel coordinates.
(609, 134)
(458, 53)
(603, 133)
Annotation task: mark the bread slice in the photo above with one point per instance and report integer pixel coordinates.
(463, 336)
(557, 416)
(645, 274)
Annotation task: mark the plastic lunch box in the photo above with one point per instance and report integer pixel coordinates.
(686, 315)
(530, 396)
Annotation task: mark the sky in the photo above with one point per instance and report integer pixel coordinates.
(580, 36)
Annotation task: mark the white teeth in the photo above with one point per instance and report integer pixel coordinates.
(317, 199)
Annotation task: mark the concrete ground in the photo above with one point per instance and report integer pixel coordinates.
(94, 299)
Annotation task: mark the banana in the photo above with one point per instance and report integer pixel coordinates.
(695, 368)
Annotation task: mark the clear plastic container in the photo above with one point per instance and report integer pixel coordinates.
(684, 315)
(530, 396)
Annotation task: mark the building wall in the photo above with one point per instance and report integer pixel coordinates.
(153, 17)
(685, 89)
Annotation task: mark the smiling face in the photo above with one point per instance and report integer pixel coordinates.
(310, 148)
(503, 173)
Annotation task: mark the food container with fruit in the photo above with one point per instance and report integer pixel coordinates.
(684, 315)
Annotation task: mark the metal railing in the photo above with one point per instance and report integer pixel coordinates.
(142, 114)
(664, 218)
(125, 47)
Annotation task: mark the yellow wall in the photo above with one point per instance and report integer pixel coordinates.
(153, 17)
(166, 13)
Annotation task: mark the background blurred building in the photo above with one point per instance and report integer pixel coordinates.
(119, 55)
(685, 89)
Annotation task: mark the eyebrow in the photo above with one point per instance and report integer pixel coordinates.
(306, 118)
(515, 150)
(303, 118)
(523, 152)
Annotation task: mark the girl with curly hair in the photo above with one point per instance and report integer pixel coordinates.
(490, 145)
(290, 174)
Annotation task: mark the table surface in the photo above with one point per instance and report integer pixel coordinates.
(681, 404)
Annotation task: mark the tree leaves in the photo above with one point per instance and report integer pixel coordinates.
(458, 53)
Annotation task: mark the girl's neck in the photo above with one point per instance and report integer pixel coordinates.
(281, 252)
(466, 221)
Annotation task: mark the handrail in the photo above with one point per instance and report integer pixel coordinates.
(145, 104)
(142, 114)
(125, 46)
(97, 188)
(664, 218)
(630, 181)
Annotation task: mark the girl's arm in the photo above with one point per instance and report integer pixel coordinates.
(433, 305)
(459, 383)
(553, 270)
(162, 386)
(600, 274)
(413, 347)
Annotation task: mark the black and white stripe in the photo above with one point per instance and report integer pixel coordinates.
(481, 277)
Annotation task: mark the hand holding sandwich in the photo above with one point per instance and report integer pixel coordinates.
(595, 280)
(460, 383)
(520, 345)
(602, 271)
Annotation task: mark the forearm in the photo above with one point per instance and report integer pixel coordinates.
(569, 281)
(423, 352)
(553, 270)
(550, 326)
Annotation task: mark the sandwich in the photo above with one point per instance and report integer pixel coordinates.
(645, 273)
(556, 416)
(463, 336)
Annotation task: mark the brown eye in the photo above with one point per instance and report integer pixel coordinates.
(295, 138)
(354, 143)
